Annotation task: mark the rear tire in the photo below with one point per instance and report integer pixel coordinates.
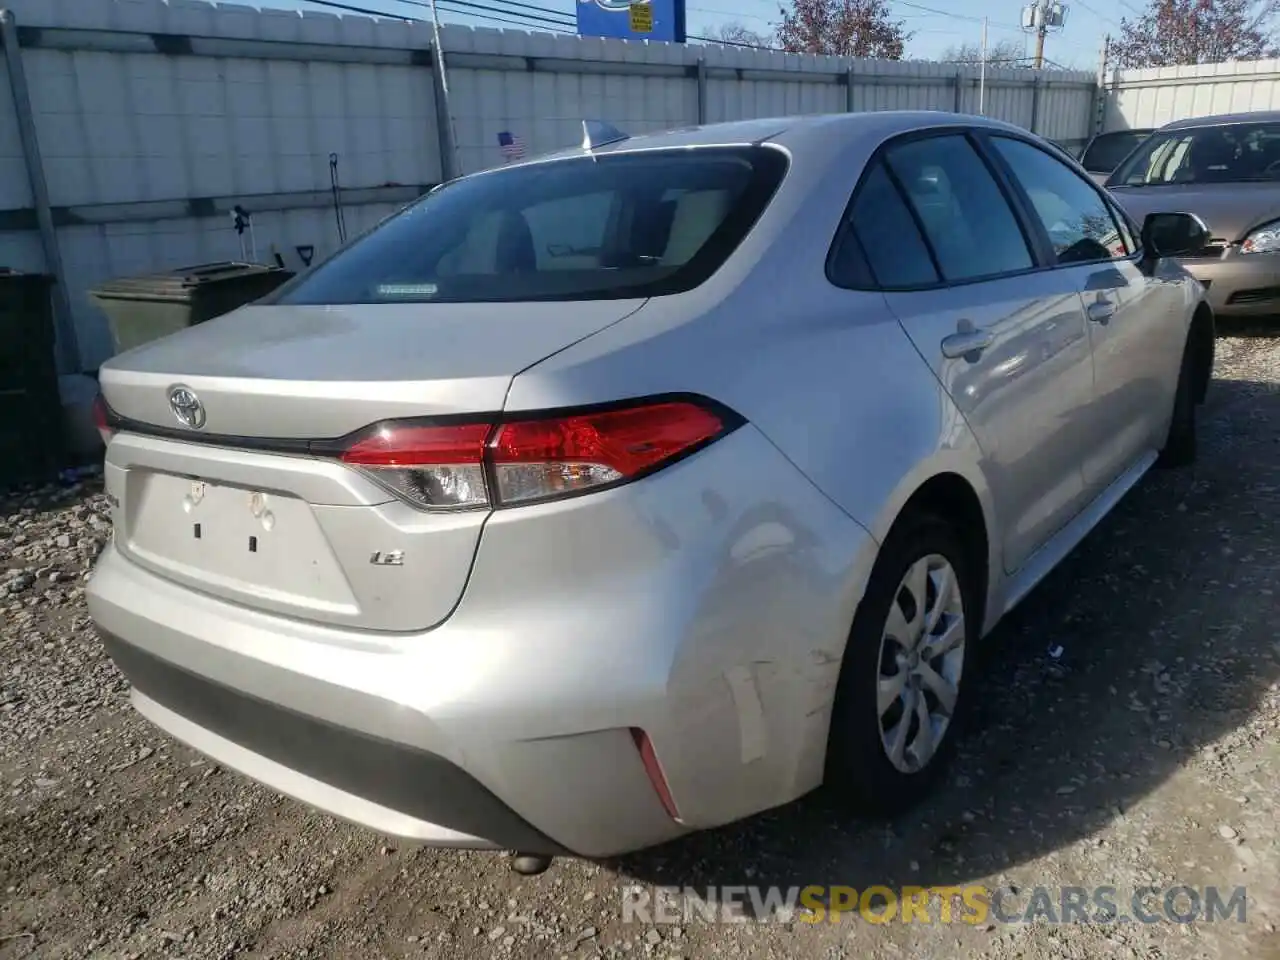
(902, 664)
(1180, 446)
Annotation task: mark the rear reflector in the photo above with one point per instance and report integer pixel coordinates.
(462, 466)
(654, 769)
(101, 419)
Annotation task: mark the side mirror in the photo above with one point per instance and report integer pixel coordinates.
(1173, 235)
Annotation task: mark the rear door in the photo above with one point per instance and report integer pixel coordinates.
(1133, 319)
(1005, 338)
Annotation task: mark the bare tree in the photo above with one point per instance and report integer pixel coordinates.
(736, 35)
(1177, 32)
(850, 28)
(1005, 53)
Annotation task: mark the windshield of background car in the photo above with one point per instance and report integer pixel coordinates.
(1107, 150)
(1226, 153)
(624, 225)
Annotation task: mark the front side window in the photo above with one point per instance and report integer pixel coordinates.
(970, 226)
(1222, 153)
(616, 226)
(1074, 215)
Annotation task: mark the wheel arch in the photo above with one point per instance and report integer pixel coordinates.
(1202, 338)
(942, 496)
(958, 493)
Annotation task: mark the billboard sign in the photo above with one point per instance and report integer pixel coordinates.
(625, 20)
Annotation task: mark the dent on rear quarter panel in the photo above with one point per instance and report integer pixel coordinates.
(715, 595)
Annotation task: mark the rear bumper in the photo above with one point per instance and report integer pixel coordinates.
(707, 605)
(362, 778)
(1240, 286)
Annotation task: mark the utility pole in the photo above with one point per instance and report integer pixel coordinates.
(1100, 112)
(1041, 16)
(982, 77)
(451, 164)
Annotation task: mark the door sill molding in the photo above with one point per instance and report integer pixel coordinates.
(1044, 560)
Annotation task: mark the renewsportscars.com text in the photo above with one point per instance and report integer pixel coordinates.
(971, 904)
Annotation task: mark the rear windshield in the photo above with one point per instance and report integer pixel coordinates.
(1226, 153)
(634, 224)
(1107, 149)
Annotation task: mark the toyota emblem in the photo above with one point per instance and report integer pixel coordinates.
(186, 406)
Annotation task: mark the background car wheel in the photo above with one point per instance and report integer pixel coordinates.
(1180, 446)
(899, 701)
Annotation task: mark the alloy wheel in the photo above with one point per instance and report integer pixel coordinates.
(921, 661)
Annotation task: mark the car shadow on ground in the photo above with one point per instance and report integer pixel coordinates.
(1248, 326)
(1167, 645)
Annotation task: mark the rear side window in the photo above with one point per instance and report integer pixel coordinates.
(615, 226)
(969, 224)
(880, 229)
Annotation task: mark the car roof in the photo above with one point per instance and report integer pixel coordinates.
(793, 133)
(1225, 119)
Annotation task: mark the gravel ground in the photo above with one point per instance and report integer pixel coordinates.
(1144, 752)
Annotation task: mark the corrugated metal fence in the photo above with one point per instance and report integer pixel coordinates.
(154, 119)
(1150, 98)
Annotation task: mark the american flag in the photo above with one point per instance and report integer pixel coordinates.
(511, 146)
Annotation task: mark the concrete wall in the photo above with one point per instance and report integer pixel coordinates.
(1151, 98)
(155, 118)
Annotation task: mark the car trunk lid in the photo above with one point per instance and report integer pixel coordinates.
(312, 372)
(249, 508)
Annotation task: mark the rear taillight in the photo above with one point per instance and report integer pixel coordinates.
(536, 459)
(102, 419)
(432, 466)
(460, 466)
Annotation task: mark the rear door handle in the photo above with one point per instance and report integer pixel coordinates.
(1101, 311)
(967, 343)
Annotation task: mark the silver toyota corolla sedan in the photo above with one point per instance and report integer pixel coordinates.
(613, 495)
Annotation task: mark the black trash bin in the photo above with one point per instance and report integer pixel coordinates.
(141, 309)
(31, 428)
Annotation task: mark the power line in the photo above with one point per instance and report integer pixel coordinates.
(567, 14)
(563, 22)
(547, 27)
(952, 16)
(730, 13)
(567, 21)
(538, 20)
(494, 14)
(491, 14)
(367, 12)
(1100, 16)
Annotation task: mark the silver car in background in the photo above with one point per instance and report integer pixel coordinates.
(618, 494)
(1224, 170)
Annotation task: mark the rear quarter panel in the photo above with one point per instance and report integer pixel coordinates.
(828, 379)
(827, 374)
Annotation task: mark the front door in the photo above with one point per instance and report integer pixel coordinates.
(1125, 310)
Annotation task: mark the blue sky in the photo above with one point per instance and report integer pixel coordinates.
(936, 25)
